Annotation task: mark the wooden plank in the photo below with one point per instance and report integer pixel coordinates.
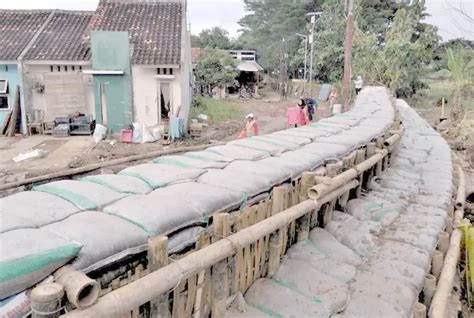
(278, 202)
(191, 296)
(158, 258)
(178, 301)
(275, 249)
(15, 112)
(5, 123)
(220, 283)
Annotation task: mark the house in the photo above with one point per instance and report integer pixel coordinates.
(17, 32)
(54, 84)
(158, 65)
(128, 61)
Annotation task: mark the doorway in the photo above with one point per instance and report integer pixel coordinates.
(164, 101)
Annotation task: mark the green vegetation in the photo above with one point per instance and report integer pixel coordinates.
(218, 110)
(215, 68)
(215, 38)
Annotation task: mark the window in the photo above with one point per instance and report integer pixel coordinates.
(3, 86)
(80, 68)
(6, 68)
(158, 71)
(59, 68)
(65, 68)
(171, 71)
(3, 101)
(73, 68)
(51, 68)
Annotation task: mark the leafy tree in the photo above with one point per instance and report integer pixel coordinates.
(215, 68)
(215, 38)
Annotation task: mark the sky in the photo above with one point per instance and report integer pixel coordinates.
(226, 13)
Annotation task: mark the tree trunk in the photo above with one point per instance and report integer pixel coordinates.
(457, 110)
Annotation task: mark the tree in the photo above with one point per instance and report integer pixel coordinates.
(215, 68)
(215, 38)
(461, 74)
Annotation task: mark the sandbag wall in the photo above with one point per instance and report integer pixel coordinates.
(99, 221)
(381, 253)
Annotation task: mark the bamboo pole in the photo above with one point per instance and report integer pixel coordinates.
(461, 194)
(130, 296)
(220, 281)
(429, 289)
(95, 166)
(391, 142)
(320, 190)
(419, 310)
(158, 258)
(439, 304)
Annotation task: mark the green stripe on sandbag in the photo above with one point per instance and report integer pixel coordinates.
(105, 184)
(267, 311)
(269, 141)
(29, 264)
(194, 156)
(293, 287)
(77, 199)
(142, 226)
(172, 162)
(146, 180)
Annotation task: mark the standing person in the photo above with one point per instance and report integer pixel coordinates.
(332, 97)
(297, 116)
(358, 84)
(311, 104)
(251, 127)
(303, 119)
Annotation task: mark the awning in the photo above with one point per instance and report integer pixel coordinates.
(249, 66)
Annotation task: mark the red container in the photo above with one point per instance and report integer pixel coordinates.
(126, 136)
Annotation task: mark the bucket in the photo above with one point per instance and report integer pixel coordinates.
(126, 136)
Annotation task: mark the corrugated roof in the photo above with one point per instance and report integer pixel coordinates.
(154, 28)
(17, 29)
(62, 38)
(249, 66)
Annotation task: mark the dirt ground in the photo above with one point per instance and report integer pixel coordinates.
(76, 151)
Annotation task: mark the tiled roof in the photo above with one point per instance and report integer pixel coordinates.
(62, 38)
(17, 29)
(154, 28)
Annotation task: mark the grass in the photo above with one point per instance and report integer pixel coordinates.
(218, 110)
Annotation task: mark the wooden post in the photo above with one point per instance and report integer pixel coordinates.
(220, 281)
(275, 250)
(157, 258)
(279, 194)
(307, 181)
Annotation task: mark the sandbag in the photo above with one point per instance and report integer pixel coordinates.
(102, 238)
(160, 213)
(271, 171)
(272, 147)
(238, 153)
(326, 151)
(207, 156)
(246, 184)
(302, 277)
(300, 141)
(84, 195)
(188, 162)
(16, 210)
(29, 255)
(328, 245)
(120, 183)
(158, 175)
(377, 210)
(181, 240)
(294, 163)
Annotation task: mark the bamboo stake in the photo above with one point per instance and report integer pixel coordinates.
(220, 283)
(461, 193)
(158, 258)
(429, 289)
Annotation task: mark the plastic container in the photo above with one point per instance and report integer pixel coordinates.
(126, 136)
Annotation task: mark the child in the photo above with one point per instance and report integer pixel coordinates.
(251, 127)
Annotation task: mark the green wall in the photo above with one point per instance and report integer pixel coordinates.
(10, 73)
(111, 52)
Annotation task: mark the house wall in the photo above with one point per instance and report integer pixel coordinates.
(10, 73)
(65, 91)
(110, 51)
(145, 94)
(186, 70)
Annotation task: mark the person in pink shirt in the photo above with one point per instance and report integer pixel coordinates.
(298, 115)
(251, 127)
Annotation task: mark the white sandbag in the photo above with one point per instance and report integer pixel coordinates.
(373, 228)
(158, 175)
(247, 185)
(84, 195)
(394, 250)
(270, 297)
(188, 162)
(160, 213)
(146, 135)
(271, 171)
(238, 153)
(29, 255)
(326, 151)
(137, 136)
(377, 210)
(312, 134)
(371, 307)
(102, 238)
(272, 147)
(352, 234)
(16, 210)
(328, 245)
(207, 156)
(15, 306)
(294, 162)
(300, 141)
(303, 278)
(372, 285)
(409, 235)
(398, 270)
(306, 251)
(181, 240)
(120, 183)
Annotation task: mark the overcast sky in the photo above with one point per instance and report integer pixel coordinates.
(208, 13)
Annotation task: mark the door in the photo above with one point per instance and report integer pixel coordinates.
(164, 101)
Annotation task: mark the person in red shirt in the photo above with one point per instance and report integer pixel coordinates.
(251, 127)
(298, 115)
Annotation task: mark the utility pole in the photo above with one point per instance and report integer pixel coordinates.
(313, 16)
(346, 81)
(305, 58)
